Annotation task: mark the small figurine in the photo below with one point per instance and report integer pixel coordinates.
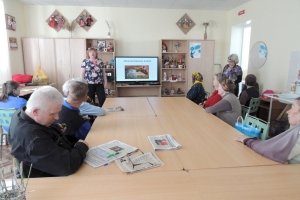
(179, 77)
(89, 21)
(112, 63)
(81, 22)
(172, 92)
(164, 47)
(52, 22)
(165, 76)
(110, 47)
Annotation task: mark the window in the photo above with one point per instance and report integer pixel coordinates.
(5, 74)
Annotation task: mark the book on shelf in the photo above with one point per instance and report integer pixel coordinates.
(138, 162)
(163, 142)
(108, 152)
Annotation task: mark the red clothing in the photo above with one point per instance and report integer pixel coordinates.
(213, 99)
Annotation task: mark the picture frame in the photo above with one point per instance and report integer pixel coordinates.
(101, 45)
(13, 44)
(10, 22)
(56, 21)
(86, 20)
(185, 23)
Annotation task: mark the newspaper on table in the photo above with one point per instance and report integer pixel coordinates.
(138, 162)
(163, 142)
(108, 152)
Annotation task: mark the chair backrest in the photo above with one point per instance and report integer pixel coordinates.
(258, 123)
(253, 107)
(207, 94)
(5, 118)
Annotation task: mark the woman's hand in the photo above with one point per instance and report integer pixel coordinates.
(241, 138)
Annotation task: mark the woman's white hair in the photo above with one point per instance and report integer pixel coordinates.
(234, 58)
(44, 98)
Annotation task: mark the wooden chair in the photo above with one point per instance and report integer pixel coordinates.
(5, 118)
(258, 123)
(253, 107)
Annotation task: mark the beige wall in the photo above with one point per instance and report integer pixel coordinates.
(136, 31)
(14, 8)
(276, 22)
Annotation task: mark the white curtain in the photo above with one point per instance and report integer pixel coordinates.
(5, 73)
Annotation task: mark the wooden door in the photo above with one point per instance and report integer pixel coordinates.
(204, 64)
(47, 58)
(78, 53)
(63, 62)
(31, 54)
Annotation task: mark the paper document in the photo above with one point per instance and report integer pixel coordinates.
(163, 142)
(138, 162)
(108, 152)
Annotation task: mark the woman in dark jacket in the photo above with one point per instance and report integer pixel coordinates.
(197, 92)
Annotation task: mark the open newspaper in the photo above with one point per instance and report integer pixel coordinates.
(138, 162)
(163, 142)
(108, 152)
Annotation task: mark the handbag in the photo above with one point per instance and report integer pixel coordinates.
(246, 129)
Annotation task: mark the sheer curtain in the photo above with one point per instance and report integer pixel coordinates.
(5, 74)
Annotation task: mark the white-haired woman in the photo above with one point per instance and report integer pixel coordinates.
(284, 147)
(234, 71)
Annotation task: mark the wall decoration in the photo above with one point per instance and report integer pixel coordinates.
(13, 45)
(56, 21)
(185, 23)
(11, 23)
(70, 26)
(195, 50)
(86, 20)
(108, 33)
(207, 24)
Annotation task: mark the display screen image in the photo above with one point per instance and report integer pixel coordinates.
(136, 69)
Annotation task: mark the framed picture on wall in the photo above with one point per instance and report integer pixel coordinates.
(101, 45)
(11, 23)
(13, 45)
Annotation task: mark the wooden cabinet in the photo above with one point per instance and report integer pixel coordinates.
(180, 60)
(61, 58)
(264, 108)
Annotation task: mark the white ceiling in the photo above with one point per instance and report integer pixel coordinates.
(224, 5)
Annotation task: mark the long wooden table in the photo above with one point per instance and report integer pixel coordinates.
(209, 162)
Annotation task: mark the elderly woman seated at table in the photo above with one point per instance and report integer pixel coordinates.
(197, 92)
(250, 92)
(215, 97)
(228, 108)
(10, 96)
(284, 147)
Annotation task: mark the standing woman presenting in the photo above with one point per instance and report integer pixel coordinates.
(92, 70)
(233, 71)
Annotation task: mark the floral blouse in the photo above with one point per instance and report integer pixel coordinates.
(93, 74)
(234, 74)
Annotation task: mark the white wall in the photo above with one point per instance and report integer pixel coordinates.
(14, 8)
(276, 22)
(136, 31)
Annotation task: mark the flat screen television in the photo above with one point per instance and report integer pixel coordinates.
(137, 69)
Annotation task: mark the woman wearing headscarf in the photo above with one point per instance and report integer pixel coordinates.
(234, 71)
(228, 108)
(197, 92)
(10, 96)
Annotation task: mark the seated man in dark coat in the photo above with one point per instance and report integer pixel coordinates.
(77, 125)
(36, 140)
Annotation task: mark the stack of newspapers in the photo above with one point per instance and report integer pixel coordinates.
(138, 162)
(163, 142)
(108, 152)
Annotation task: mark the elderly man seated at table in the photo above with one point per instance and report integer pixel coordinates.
(284, 147)
(228, 108)
(36, 140)
(78, 126)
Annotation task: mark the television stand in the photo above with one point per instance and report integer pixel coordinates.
(133, 90)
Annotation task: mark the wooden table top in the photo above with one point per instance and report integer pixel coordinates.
(130, 130)
(150, 185)
(133, 106)
(260, 182)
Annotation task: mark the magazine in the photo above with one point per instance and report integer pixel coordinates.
(163, 142)
(108, 152)
(138, 162)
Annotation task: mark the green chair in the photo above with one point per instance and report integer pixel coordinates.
(258, 123)
(253, 107)
(5, 118)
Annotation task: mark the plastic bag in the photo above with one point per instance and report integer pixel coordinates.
(40, 77)
(246, 129)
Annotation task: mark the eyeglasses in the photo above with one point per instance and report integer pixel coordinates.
(127, 158)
